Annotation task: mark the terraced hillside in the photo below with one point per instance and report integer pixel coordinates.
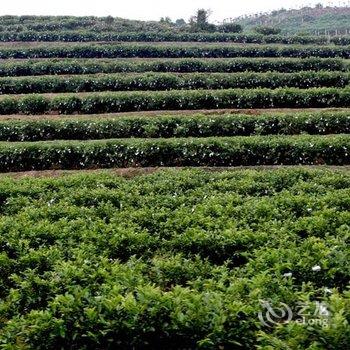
(176, 258)
(331, 20)
(101, 79)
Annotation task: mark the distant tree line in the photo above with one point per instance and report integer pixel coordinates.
(200, 23)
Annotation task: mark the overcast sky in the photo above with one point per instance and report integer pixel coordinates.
(150, 9)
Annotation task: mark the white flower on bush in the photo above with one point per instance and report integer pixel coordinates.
(316, 268)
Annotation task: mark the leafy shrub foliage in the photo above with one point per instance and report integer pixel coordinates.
(216, 151)
(267, 30)
(98, 50)
(89, 66)
(91, 103)
(315, 123)
(265, 35)
(173, 260)
(171, 81)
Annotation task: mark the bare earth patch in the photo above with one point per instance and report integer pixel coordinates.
(132, 172)
(209, 112)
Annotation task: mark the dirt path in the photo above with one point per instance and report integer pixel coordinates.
(208, 112)
(131, 172)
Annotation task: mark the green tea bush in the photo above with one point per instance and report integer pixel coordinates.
(178, 259)
(171, 81)
(98, 50)
(316, 123)
(34, 104)
(185, 99)
(235, 151)
(108, 102)
(90, 66)
(86, 36)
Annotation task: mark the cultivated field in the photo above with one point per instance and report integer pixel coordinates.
(217, 257)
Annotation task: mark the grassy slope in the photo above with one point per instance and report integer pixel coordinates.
(307, 19)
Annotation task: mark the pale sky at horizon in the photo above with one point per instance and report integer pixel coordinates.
(152, 10)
